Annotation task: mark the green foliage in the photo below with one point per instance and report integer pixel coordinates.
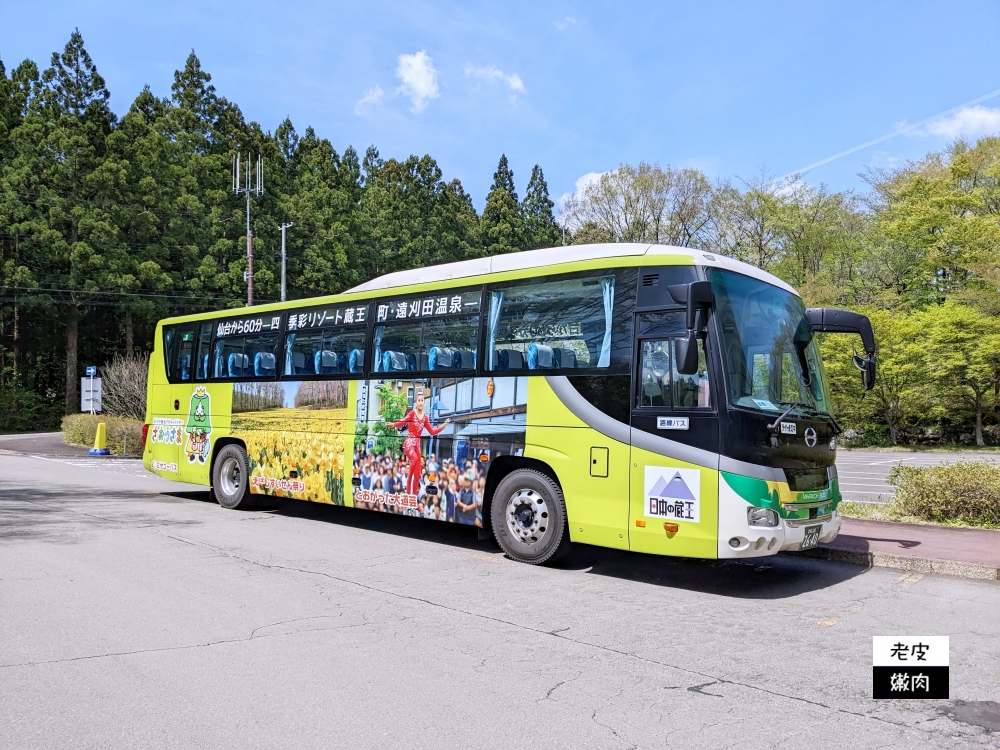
(392, 409)
(502, 226)
(966, 492)
(22, 410)
(108, 225)
(540, 228)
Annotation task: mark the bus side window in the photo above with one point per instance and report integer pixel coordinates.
(324, 352)
(691, 391)
(183, 369)
(229, 361)
(260, 356)
(660, 385)
(169, 334)
(203, 356)
(654, 379)
(577, 322)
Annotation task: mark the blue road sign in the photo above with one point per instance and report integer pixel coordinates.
(91, 371)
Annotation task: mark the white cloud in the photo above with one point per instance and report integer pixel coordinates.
(566, 23)
(491, 74)
(419, 79)
(968, 121)
(581, 184)
(374, 96)
(884, 159)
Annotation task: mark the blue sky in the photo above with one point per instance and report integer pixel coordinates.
(730, 88)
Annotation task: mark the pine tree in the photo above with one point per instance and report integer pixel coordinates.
(63, 227)
(503, 178)
(501, 228)
(540, 228)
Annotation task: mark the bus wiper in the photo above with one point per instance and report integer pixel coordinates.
(808, 407)
(791, 405)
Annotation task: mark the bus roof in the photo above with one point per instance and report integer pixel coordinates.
(559, 259)
(555, 256)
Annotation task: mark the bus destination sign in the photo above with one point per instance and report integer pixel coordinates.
(330, 316)
(428, 307)
(244, 326)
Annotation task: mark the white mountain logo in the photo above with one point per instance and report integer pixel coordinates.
(673, 494)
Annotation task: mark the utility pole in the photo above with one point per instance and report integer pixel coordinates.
(564, 236)
(283, 228)
(243, 184)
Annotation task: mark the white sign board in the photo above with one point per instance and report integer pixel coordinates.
(90, 397)
(672, 423)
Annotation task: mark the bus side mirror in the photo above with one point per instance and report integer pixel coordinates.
(831, 320)
(686, 354)
(867, 366)
(696, 296)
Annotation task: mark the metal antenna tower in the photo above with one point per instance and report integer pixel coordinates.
(244, 185)
(283, 227)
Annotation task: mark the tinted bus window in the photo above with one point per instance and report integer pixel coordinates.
(246, 347)
(178, 351)
(661, 385)
(325, 341)
(429, 333)
(572, 323)
(203, 354)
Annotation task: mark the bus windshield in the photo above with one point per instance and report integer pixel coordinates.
(770, 358)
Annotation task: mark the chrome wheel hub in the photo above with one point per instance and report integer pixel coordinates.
(231, 477)
(527, 515)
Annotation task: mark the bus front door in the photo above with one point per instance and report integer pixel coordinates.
(673, 508)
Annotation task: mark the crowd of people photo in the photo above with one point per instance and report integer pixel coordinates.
(447, 490)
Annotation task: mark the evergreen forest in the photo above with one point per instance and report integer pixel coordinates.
(109, 223)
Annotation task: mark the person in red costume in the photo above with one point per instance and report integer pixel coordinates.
(415, 421)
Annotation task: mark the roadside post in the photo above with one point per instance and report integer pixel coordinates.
(90, 391)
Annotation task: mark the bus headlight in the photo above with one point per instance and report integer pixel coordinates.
(762, 517)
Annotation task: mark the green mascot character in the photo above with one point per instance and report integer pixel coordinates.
(199, 426)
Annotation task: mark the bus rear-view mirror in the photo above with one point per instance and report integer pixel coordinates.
(686, 352)
(867, 366)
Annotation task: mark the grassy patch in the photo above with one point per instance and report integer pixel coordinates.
(960, 493)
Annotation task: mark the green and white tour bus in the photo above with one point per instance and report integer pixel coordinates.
(656, 399)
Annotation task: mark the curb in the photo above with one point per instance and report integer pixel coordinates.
(977, 571)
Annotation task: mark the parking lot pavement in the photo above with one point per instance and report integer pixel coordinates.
(41, 443)
(864, 474)
(138, 613)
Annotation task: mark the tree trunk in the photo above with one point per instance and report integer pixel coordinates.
(979, 423)
(128, 333)
(72, 371)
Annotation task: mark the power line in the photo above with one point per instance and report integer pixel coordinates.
(40, 289)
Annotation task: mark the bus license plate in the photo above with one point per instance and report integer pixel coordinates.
(811, 538)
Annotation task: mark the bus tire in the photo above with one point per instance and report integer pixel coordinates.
(231, 479)
(528, 516)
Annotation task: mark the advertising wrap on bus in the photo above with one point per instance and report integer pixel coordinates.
(653, 399)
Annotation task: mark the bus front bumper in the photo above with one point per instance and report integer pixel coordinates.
(788, 536)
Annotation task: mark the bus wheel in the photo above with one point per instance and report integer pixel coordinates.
(231, 479)
(528, 516)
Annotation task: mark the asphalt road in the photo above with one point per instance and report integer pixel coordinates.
(136, 613)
